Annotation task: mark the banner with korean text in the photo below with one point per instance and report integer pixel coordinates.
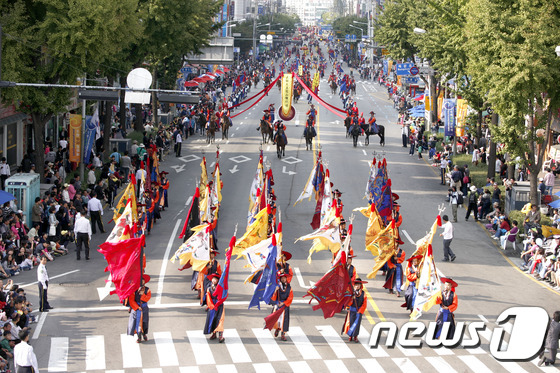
(75, 138)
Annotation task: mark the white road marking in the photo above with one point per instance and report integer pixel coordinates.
(408, 351)
(406, 365)
(268, 148)
(132, 358)
(300, 278)
(152, 370)
(269, 345)
(364, 151)
(58, 357)
(199, 344)
(300, 366)
(440, 364)
(164, 263)
(95, 352)
(304, 346)
(236, 128)
(212, 165)
(235, 347)
(374, 352)
(336, 366)
(166, 349)
(334, 340)
(371, 365)
(39, 326)
(233, 134)
(474, 364)
(264, 368)
(51, 278)
(188, 370)
(408, 237)
(359, 143)
(188, 201)
(226, 368)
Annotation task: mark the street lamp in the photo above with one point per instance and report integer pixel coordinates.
(359, 28)
(361, 23)
(418, 30)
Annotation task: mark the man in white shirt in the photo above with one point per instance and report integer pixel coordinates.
(43, 282)
(95, 212)
(549, 181)
(447, 238)
(4, 171)
(82, 231)
(140, 174)
(63, 143)
(25, 360)
(179, 141)
(443, 168)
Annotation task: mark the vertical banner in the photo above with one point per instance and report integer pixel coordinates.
(385, 67)
(316, 81)
(90, 133)
(300, 70)
(75, 138)
(448, 114)
(462, 106)
(286, 111)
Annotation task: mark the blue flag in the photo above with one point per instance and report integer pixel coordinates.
(267, 284)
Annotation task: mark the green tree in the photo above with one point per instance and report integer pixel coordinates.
(55, 42)
(512, 58)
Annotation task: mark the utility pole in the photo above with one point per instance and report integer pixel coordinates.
(82, 138)
(255, 31)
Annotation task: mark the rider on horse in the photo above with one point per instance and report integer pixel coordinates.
(372, 123)
(312, 113)
(271, 110)
(267, 118)
(279, 125)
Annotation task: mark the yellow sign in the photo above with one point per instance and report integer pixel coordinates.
(384, 52)
(316, 81)
(462, 106)
(428, 103)
(300, 70)
(75, 138)
(287, 88)
(271, 32)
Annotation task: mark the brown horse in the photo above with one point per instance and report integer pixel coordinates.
(333, 87)
(281, 142)
(226, 124)
(266, 131)
(211, 131)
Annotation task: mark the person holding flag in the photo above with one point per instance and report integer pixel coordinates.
(282, 299)
(215, 316)
(356, 310)
(395, 274)
(411, 277)
(447, 300)
(139, 320)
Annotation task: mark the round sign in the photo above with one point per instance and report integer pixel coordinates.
(139, 78)
(414, 70)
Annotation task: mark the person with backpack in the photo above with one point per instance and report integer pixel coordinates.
(472, 198)
(453, 198)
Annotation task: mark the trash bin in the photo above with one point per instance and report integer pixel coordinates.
(25, 187)
(519, 196)
(121, 144)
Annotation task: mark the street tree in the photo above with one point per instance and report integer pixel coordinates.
(512, 47)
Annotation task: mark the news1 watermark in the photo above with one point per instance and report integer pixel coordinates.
(525, 341)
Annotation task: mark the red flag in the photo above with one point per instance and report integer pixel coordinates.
(272, 319)
(222, 288)
(333, 291)
(123, 262)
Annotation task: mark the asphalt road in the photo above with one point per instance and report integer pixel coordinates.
(84, 333)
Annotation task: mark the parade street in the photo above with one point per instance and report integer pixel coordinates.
(86, 330)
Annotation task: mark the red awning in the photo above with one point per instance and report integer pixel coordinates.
(220, 72)
(191, 83)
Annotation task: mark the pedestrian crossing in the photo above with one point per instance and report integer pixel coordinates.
(318, 348)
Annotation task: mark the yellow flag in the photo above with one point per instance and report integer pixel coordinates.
(195, 250)
(256, 232)
(203, 178)
(423, 243)
(374, 226)
(129, 193)
(218, 182)
(429, 286)
(385, 246)
(549, 231)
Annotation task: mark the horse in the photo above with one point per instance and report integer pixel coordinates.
(356, 131)
(211, 132)
(297, 93)
(281, 142)
(353, 88)
(348, 125)
(226, 124)
(266, 131)
(266, 81)
(309, 133)
(333, 87)
(368, 130)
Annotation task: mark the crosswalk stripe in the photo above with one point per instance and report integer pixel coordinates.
(202, 352)
(371, 365)
(269, 345)
(443, 351)
(132, 358)
(58, 357)
(300, 366)
(152, 370)
(336, 366)
(545, 368)
(95, 352)
(406, 365)
(304, 346)
(235, 347)
(166, 349)
(408, 351)
(511, 367)
(264, 368)
(189, 370)
(226, 368)
(474, 364)
(379, 351)
(440, 365)
(114, 371)
(335, 342)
